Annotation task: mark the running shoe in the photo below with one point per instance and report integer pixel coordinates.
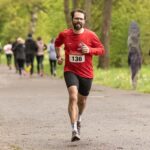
(75, 136)
(78, 126)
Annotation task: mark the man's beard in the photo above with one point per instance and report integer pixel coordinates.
(77, 26)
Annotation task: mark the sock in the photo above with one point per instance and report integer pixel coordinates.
(74, 126)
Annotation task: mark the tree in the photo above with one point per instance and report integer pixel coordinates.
(104, 60)
(67, 4)
(87, 7)
(67, 12)
(75, 3)
(34, 7)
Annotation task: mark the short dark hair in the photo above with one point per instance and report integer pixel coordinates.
(80, 11)
(29, 34)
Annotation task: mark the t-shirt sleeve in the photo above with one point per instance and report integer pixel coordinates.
(97, 47)
(59, 40)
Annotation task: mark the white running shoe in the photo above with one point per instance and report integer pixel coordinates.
(75, 136)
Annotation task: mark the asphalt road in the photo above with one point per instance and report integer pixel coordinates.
(33, 116)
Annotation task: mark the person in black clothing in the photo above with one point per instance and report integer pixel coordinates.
(14, 44)
(20, 55)
(30, 51)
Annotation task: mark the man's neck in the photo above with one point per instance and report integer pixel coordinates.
(78, 31)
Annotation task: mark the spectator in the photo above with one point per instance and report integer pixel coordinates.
(14, 44)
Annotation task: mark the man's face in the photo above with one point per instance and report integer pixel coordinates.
(78, 21)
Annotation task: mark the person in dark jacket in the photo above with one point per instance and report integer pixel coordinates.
(14, 44)
(20, 55)
(30, 51)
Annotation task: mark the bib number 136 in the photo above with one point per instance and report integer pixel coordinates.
(77, 58)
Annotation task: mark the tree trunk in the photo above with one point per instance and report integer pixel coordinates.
(75, 3)
(34, 17)
(67, 13)
(104, 60)
(87, 7)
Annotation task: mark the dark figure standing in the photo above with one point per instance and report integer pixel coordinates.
(30, 51)
(14, 53)
(134, 55)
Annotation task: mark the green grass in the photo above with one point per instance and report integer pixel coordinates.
(120, 78)
(113, 77)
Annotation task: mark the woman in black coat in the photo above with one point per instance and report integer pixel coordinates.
(20, 55)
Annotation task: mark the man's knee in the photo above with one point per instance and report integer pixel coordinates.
(82, 100)
(73, 98)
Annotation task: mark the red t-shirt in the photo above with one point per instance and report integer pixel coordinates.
(75, 61)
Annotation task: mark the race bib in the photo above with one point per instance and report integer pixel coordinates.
(77, 58)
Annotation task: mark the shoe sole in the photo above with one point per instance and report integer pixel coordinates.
(75, 138)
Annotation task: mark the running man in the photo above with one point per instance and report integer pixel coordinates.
(79, 44)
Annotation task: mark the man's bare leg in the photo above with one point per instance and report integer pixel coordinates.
(81, 106)
(72, 106)
(81, 103)
(73, 111)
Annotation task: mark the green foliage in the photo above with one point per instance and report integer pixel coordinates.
(15, 18)
(96, 14)
(15, 21)
(123, 13)
(51, 22)
(12, 21)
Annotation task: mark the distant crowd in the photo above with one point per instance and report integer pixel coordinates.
(25, 51)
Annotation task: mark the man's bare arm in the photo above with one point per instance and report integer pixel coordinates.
(58, 55)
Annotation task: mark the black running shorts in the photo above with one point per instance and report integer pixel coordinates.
(83, 84)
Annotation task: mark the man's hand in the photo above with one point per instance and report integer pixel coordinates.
(85, 49)
(60, 60)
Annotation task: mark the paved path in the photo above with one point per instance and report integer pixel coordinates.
(33, 116)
